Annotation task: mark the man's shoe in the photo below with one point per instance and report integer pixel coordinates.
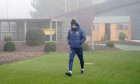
(69, 74)
(82, 71)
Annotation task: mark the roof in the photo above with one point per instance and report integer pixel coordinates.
(33, 19)
(86, 16)
(23, 19)
(112, 19)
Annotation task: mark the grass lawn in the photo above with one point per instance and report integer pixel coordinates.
(110, 67)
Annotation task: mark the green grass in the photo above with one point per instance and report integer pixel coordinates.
(110, 67)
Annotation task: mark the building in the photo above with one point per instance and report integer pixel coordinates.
(110, 27)
(55, 29)
(113, 8)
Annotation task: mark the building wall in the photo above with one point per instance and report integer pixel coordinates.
(101, 31)
(63, 25)
(66, 25)
(114, 33)
(132, 10)
(95, 35)
(20, 31)
(84, 17)
(59, 32)
(127, 32)
(98, 34)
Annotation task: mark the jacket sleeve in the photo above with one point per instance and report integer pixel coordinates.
(83, 37)
(68, 37)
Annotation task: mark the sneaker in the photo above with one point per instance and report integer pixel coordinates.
(69, 74)
(82, 71)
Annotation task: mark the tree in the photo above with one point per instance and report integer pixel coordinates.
(42, 8)
(50, 8)
(122, 36)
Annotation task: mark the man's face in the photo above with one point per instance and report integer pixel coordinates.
(73, 26)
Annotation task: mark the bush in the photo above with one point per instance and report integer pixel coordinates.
(104, 38)
(9, 46)
(110, 44)
(50, 46)
(122, 36)
(35, 37)
(8, 37)
(85, 47)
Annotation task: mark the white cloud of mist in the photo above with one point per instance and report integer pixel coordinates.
(97, 1)
(20, 8)
(16, 8)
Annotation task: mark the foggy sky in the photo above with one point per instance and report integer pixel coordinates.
(16, 8)
(19, 8)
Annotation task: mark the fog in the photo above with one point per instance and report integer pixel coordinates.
(86, 12)
(23, 8)
(15, 8)
(40, 38)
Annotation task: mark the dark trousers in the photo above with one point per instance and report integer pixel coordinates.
(79, 52)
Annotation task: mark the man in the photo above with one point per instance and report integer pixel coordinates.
(76, 38)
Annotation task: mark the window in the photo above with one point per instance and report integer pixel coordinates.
(122, 27)
(9, 28)
(119, 27)
(4, 27)
(125, 27)
(13, 27)
(95, 27)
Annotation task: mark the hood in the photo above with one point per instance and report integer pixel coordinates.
(77, 27)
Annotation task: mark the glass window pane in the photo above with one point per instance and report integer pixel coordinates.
(95, 27)
(13, 27)
(119, 27)
(4, 26)
(125, 27)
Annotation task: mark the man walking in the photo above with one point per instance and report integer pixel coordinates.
(76, 38)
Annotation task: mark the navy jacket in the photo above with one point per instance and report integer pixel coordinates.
(76, 37)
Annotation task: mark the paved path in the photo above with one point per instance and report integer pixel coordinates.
(136, 40)
(124, 47)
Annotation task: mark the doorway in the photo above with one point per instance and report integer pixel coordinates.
(107, 30)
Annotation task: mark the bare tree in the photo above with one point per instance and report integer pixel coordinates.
(50, 8)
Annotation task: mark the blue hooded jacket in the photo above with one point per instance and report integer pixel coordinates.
(76, 37)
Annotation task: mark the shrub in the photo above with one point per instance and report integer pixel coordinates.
(9, 46)
(35, 37)
(85, 47)
(122, 36)
(104, 38)
(8, 37)
(50, 46)
(110, 44)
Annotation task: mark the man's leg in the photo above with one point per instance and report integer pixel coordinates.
(71, 58)
(80, 56)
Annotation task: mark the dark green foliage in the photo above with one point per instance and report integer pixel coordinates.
(85, 47)
(122, 36)
(110, 44)
(9, 46)
(35, 37)
(50, 46)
